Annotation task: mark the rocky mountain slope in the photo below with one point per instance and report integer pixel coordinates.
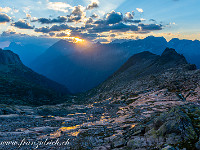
(20, 85)
(149, 110)
(144, 65)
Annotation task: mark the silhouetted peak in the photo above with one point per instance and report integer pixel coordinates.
(99, 43)
(171, 56)
(169, 51)
(8, 57)
(155, 38)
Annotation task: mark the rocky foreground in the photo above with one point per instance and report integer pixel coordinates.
(158, 117)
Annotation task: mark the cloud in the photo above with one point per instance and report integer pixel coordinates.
(112, 35)
(6, 9)
(89, 36)
(120, 27)
(113, 17)
(61, 27)
(60, 19)
(140, 10)
(89, 21)
(21, 24)
(128, 18)
(91, 28)
(11, 33)
(59, 6)
(150, 27)
(94, 15)
(77, 14)
(129, 15)
(62, 34)
(94, 4)
(153, 20)
(132, 21)
(28, 16)
(4, 18)
(8, 33)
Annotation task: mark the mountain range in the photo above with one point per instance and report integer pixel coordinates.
(82, 68)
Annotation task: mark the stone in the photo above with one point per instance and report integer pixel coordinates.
(137, 142)
(119, 143)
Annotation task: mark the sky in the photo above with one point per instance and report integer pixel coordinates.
(99, 20)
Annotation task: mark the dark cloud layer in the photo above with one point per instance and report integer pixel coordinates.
(76, 15)
(21, 24)
(110, 18)
(150, 27)
(60, 19)
(132, 21)
(61, 27)
(120, 27)
(114, 17)
(4, 18)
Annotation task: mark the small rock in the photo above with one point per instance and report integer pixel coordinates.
(137, 142)
(119, 143)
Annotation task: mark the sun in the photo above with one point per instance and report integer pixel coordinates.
(78, 40)
(74, 39)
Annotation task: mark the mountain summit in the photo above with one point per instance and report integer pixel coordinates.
(8, 57)
(146, 63)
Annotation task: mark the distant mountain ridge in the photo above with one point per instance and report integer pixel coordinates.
(21, 85)
(83, 68)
